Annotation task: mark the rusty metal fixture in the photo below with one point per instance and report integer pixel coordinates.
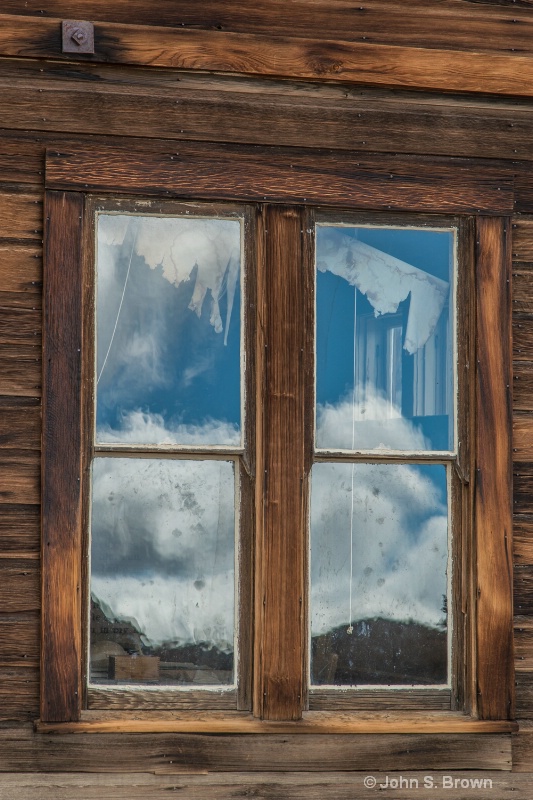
(77, 36)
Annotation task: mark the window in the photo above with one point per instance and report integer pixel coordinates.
(322, 392)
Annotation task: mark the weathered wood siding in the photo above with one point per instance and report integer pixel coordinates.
(377, 90)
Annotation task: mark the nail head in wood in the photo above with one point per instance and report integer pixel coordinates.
(77, 36)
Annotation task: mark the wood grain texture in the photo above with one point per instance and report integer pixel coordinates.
(523, 239)
(19, 638)
(406, 700)
(282, 55)
(23, 751)
(62, 437)
(184, 106)
(21, 215)
(522, 437)
(287, 175)
(20, 586)
(522, 291)
(492, 25)
(20, 529)
(267, 786)
(125, 700)
(523, 590)
(20, 268)
(20, 427)
(20, 325)
(523, 337)
(493, 488)
(20, 370)
(19, 694)
(281, 538)
(522, 386)
(523, 488)
(523, 539)
(19, 476)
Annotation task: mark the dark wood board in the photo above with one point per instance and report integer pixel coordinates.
(19, 693)
(501, 26)
(522, 386)
(523, 488)
(21, 215)
(20, 584)
(20, 370)
(21, 269)
(20, 476)
(20, 529)
(523, 239)
(523, 539)
(276, 174)
(523, 337)
(20, 427)
(523, 590)
(61, 498)
(23, 751)
(184, 106)
(20, 326)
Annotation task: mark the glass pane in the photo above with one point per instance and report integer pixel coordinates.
(168, 330)
(379, 555)
(162, 571)
(385, 344)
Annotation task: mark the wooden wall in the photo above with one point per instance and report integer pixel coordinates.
(400, 78)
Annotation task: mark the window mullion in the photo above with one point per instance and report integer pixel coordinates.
(281, 635)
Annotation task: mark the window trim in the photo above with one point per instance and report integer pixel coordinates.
(487, 600)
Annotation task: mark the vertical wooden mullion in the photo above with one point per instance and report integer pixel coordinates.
(280, 586)
(61, 670)
(493, 493)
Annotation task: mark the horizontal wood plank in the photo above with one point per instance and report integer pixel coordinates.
(522, 386)
(23, 751)
(20, 325)
(20, 268)
(492, 25)
(267, 786)
(124, 700)
(226, 172)
(523, 590)
(522, 437)
(183, 106)
(19, 637)
(406, 700)
(20, 476)
(20, 529)
(523, 337)
(20, 586)
(523, 637)
(19, 694)
(523, 240)
(21, 215)
(20, 370)
(283, 55)
(522, 291)
(20, 427)
(523, 539)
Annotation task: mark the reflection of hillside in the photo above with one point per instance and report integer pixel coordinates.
(380, 651)
(201, 663)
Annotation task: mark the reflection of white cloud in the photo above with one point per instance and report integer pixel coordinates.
(383, 428)
(138, 427)
(180, 245)
(385, 280)
(163, 545)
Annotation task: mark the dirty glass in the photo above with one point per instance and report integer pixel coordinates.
(162, 572)
(385, 344)
(168, 361)
(379, 557)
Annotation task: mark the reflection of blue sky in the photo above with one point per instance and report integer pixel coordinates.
(162, 357)
(422, 382)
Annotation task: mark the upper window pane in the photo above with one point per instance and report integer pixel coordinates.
(168, 356)
(385, 342)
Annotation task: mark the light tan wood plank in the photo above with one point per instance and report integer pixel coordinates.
(20, 268)
(267, 786)
(21, 215)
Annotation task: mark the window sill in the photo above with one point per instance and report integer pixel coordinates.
(313, 722)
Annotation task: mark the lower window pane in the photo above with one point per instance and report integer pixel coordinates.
(162, 572)
(379, 556)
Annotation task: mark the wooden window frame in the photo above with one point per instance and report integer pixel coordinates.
(290, 183)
